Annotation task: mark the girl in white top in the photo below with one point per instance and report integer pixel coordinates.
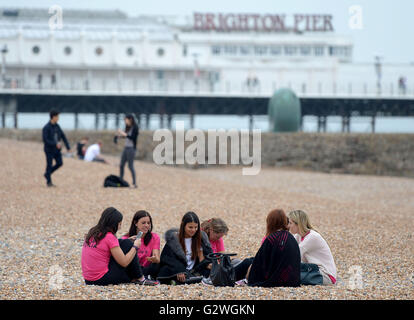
(313, 248)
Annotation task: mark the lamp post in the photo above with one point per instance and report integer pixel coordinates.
(378, 70)
(196, 72)
(4, 51)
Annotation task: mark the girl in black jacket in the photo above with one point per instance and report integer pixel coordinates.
(183, 258)
(130, 134)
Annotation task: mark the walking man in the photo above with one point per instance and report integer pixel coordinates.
(52, 134)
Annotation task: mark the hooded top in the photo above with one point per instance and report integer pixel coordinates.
(173, 258)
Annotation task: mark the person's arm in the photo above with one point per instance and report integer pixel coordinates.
(155, 258)
(125, 259)
(62, 134)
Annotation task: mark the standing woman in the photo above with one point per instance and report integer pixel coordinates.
(149, 251)
(128, 154)
(313, 248)
(107, 260)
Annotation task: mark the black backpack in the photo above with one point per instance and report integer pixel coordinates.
(222, 271)
(115, 182)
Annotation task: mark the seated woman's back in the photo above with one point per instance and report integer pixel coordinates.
(277, 263)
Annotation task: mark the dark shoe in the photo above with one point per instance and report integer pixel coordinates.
(193, 279)
(50, 184)
(147, 282)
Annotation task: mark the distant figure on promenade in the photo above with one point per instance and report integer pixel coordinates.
(93, 153)
(81, 148)
(53, 81)
(39, 80)
(402, 85)
(52, 134)
(131, 135)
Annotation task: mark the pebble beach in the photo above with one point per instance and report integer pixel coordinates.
(366, 220)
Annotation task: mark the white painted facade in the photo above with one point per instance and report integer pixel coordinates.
(164, 54)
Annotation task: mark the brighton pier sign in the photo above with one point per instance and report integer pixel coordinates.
(262, 22)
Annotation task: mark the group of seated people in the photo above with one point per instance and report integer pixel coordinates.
(289, 244)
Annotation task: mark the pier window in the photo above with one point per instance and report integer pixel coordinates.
(36, 50)
(305, 50)
(230, 50)
(98, 51)
(216, 50)
(291, 50)
(260, 50)
(245, 50)
(130, 51)
(67, 50)
(319, 50)
(160, 52)
(275, 51)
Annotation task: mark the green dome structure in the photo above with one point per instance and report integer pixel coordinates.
(284, 111)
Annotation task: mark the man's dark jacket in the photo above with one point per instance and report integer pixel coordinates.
(49, 140)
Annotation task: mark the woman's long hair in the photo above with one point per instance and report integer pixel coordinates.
(131, 118)
(196, 240)
(215, 224)
(302, 220)
(276, 220)
(133, 230)
(108, 222)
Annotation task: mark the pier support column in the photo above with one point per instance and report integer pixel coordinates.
(169, 120)
(251, 122)
(147, 121)
(117, 121)
(105, 121)
(3, 119)
(321, 123)
(76, 121)
(346, 121)
(373, 118)
(96, 121)
(15, 120)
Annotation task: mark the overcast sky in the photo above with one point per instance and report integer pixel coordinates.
(387, 25)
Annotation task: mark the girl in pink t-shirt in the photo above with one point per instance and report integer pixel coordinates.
(149, 249)
(215, 228)
(107, 260)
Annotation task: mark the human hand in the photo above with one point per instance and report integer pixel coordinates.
(58, 145)
(137, 242)
(152, 259)
(181, 277)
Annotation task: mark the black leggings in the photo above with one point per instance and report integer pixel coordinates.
(241, 269)
(128, 155)
(116, 273)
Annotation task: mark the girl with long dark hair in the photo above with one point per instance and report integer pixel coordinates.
(184, 254)
(128, 154)
(107, 260)
(149, 248)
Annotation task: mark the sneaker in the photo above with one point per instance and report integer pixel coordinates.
(207, 281)
(192, 279)
(147, 282)
(50, 184)
(241, 283)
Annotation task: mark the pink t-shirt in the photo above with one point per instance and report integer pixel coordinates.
(217, 246)
(95, 258)
(146, 251)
